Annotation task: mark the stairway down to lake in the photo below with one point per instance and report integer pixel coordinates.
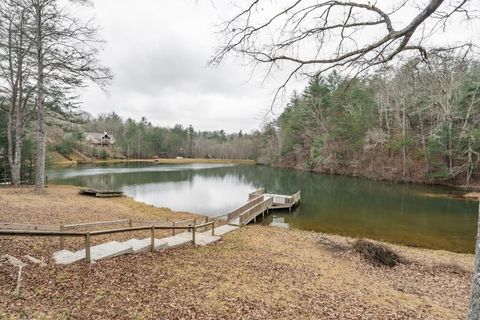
(114, 248)
(258, 203)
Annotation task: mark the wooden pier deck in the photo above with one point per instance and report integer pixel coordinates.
(259, 203)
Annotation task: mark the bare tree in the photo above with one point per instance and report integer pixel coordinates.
(16, 78)
(311, 37)
(66, 58)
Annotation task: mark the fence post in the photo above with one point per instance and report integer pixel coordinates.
(213, 228)
(130, 223)
(87, 248)
(193, 232)
(152, 238)
(173, 230)
(62, 239)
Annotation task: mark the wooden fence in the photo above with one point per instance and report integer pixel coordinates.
(87, 235)
(181, 224)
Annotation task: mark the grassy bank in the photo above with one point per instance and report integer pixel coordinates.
(162, 161)
(257, 272)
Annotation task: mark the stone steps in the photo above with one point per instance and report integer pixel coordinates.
(102, 251)
(201, 238)
(115, 248)
(220, 231)
(235, 222)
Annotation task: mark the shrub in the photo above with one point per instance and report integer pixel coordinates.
(103, 154)
(377, 254)
(64, 148)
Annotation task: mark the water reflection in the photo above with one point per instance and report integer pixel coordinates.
(332, 204)
(199, 194)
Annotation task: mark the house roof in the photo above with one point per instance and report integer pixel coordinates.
(98, 135)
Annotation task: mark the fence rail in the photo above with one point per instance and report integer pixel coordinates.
(21, 226)
(89, 234)
(96, 224)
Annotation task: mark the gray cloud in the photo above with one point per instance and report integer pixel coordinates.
(158, 52)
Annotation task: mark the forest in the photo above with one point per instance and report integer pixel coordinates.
(417, 122)
(143, 140)
(414, 123)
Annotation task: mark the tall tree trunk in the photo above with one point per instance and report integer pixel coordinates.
(10, 134)
(17, 160)
(474, 310)
(17, 156)
(41, 133)
(14, 109)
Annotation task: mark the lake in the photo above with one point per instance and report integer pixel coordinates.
(412, 215)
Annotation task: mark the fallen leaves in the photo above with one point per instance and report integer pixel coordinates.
(256, 272)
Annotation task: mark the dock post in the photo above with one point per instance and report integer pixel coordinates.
(193, 232)
(62, 239)
(213, 228)
(152, 238)
(87, 248)
(173, 230)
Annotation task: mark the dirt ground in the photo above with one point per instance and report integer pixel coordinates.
(63, 205)
(256, 272)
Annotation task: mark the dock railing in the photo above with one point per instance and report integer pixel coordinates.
(253, 212)
(250, 204)
(256, 194)
(294, 199)
(237, 212)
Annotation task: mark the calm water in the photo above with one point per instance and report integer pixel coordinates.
(355, 207)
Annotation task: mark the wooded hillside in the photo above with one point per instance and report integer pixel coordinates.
(418, 122)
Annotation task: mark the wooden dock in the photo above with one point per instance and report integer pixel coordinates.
(260, 203)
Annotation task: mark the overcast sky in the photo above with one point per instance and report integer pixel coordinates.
(158, 52)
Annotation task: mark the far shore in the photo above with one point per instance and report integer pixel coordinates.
(159, 161)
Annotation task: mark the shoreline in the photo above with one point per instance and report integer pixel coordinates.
(158, 161)
(27, 193)
(472, 191)
(306, 274)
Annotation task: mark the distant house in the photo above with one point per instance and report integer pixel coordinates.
(101, 139)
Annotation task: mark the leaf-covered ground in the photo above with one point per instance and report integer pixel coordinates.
(257, 272)
(63, 205)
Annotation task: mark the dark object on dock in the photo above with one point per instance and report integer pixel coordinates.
(101, 193)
